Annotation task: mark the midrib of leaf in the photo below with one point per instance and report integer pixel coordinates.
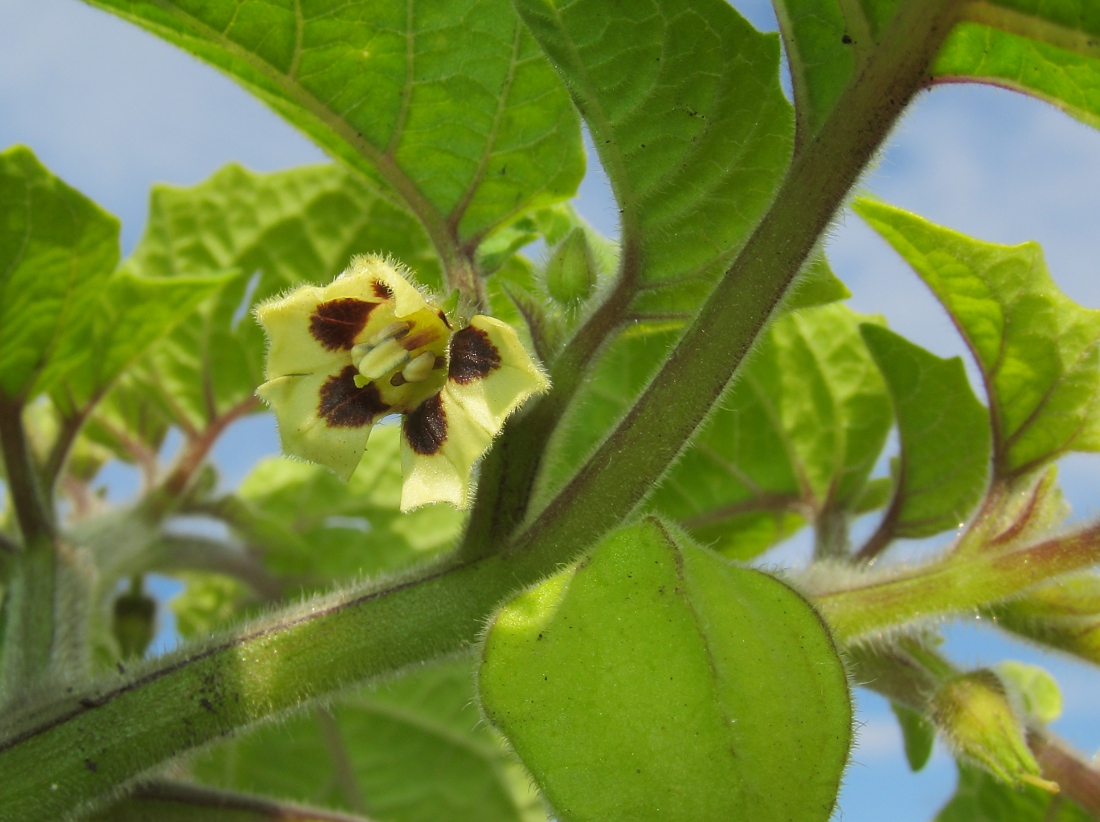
(455, 217)
(443, 240)
(299, 30)
(1033, 28)
(859, 29)
(410, 73)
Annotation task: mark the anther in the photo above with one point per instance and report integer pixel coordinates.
(392, 331)
(419, 367)
(382, 359)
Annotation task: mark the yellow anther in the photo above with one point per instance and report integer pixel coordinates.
(382, 359)
(419, 367)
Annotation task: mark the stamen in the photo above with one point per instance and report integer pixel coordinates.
(382, 359)
(419, 367)
(392, 331)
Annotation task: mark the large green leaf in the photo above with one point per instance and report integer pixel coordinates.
(414, 750)
(448, 106)
(683, 101)
(1049, 50)
(1035, 347)
(797, 435)
(980, 797)
(57, 250)
(655, 680)
(315, 528)
(945, 437)
(276, 230)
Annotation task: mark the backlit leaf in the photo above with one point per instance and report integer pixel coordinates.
(1035, 347)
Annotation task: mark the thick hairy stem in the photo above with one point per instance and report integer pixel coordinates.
(29, 605)
(180, 800)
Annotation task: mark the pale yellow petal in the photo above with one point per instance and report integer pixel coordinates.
(437, 467)
(500, 378)
(369, 269)
(293, 349)
(336, 441)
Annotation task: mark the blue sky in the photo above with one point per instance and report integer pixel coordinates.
(113, 110)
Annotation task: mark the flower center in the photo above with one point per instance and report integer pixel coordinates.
(403, 358)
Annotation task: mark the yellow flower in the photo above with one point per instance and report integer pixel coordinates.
(369, 345)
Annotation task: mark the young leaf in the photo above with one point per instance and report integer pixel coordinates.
(979, 797)
(414, 749)
(683, 101)
(945, 439)
(918, 734)
(799, 433)
(1049, 50)
(57, 249)
(450, 108)
(1064, 614)
(1036, 348)
(655, 676)
(1040, 697)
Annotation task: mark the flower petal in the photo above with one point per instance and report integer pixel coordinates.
(324, 418)
(490, 372)
(439, 446)
(381, 279)
(305, 327)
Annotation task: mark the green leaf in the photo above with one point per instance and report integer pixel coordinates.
(799, 433)
(277, 230)
(1036, 348)
(314, 527)
(1048, 50)
(918, 734)
(655, 678)
(449, 107)
(683, 101)
(57, 249)
(979, 797)
(1038, 691)
(414, 750)
(816, 285)
(944, 432)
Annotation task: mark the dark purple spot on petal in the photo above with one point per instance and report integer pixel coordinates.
(443, 317)
(382, 290)
(473, 356)
(343, 405)
(335, 324)
(425, 426)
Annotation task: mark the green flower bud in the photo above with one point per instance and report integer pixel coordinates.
(975, 715)
(134, 622)
(571, 271)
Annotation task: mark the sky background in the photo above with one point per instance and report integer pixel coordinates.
(112, 110)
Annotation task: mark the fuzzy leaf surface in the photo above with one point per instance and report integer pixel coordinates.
(57, 251)
(944, 433)
(1035, 347)
(1048, 50)
(449, 107)
(799, 432)
(654, 678)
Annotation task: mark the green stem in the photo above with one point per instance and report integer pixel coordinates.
(29, 617)
(956, 584)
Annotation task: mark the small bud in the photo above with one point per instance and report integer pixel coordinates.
(571, 271)
(134, 622)
(974, 714)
